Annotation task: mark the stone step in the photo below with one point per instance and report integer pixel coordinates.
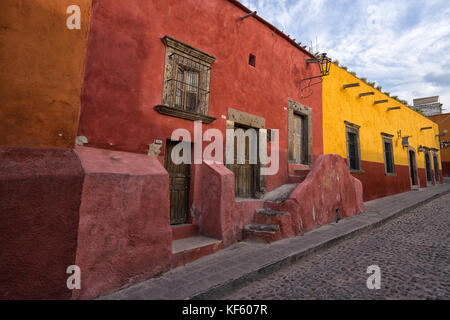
(302, 172)
(269, 217)
(265, 233)
(270, 212)
(296, 179)
(192, 248)
(274, 217)
(181, 231)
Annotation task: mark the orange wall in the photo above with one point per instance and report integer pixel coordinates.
(41, 72)
(443, 121)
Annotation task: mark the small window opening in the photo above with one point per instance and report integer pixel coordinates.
(252, 60)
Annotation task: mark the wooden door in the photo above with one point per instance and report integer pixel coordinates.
(300, 139)
(413, 168)
(244, 174)
(437, 175)
(428, 167)
(179, 182)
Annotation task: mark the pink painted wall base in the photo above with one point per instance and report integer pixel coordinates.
(105, 211)
(124, 233)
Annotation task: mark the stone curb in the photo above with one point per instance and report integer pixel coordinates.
(233, 284)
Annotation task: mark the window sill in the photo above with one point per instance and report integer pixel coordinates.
(178, 113)
(360, 171)
(390, 174)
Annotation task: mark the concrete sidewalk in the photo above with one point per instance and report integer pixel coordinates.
(218, 273)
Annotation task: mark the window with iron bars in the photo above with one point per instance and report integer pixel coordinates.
(388, 151)
(186, 89)
(186, 78)
(353, 146)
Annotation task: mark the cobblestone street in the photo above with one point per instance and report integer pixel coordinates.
(412, 251)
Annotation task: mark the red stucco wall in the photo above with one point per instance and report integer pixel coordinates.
(105, 211)
(40, 193)
(377, 184)
(446, 169)
(217, 212)
(124, 232)
(125, 67)
(327, 188)
(443, 120)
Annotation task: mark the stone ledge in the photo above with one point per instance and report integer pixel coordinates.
(178, 113)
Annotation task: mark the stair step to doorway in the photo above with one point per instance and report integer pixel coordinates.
(303, 172)
(270, 217)
(192, 248)
(296, 179)
(181, 231)
(262, 232)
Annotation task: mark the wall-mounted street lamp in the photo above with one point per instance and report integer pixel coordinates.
(324, 65)
(405, 141)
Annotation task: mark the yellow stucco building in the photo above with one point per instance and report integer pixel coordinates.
(388, 146)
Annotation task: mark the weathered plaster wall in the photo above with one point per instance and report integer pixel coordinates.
(327, 188)
(124, 233)
(41, 72)
(125, 68)
(105, 211)
(217, 212)
(40, 196)
(341, 105)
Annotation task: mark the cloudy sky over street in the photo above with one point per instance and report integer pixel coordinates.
(402, 45)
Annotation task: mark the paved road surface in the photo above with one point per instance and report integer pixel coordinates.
(412, 251)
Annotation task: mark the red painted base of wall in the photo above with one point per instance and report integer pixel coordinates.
(329, 188)
(107, 212)
(40, 195)
(124, 233)
(377, 184)
(446, 169)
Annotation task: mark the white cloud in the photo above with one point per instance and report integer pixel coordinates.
(402, 45)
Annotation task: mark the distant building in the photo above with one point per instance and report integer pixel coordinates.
(443, 121)
(429, 106)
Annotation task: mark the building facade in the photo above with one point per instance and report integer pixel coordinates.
(94, 115)
(41, 76)
(430, 106)
(443, 121)
(388, 146)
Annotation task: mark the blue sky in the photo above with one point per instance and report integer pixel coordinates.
(402, 45)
